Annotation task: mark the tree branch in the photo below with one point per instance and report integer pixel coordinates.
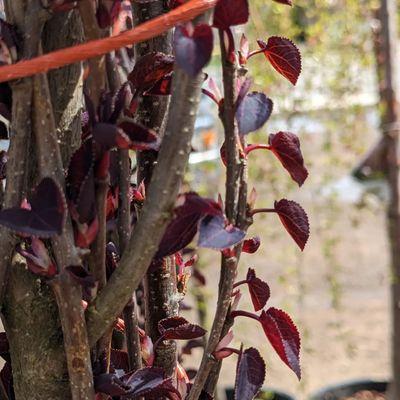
(68, 293)
(159, 283)
(156, 213)
(96, 79)
(232, 185)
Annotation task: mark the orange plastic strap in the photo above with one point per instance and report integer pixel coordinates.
(94, 48)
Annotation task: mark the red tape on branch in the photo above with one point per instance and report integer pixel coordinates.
(95, 48)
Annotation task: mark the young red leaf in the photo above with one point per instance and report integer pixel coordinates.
(294, 219)
(283, 55)
(215, 235)
(250, 374)
(283, 336)
(47, 215)
(251, 245)
(178, 328)
(228, 13)
(253, 111)
(259, 290)
(149, 69)
(193, 47)
(286, 146)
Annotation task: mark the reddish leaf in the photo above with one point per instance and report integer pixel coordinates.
(182, 229)
(259, 290)
(47, 215)
(283, 336)
(214, 234)
(161, 87)
(253, 111)
(294, 219)
(284, 56)
(193, 47)
(230, 12)
(250, 246)
(178, 328)
(286, 146)
(250, 375)
(149, 69)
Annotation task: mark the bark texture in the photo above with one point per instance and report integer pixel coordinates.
(30, 317)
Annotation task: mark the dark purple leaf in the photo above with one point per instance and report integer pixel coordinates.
(284, 56)
(128, 135)
(6, 378)
(45, 219)
(3, 164)
(183, 227)
(286, 146)
(80, 182)
(295, 220)
(283, 336)
(253, 111)
(119, 360)
(193, 47)
(251, 245)
(230, 12)
(287, 2)
(137, 137)
(259, 290)
(215, 235)
(4, 347)
(110, 384)
(250, 375)
(150, 382)
(178, 328)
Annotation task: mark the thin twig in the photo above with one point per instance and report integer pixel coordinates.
(228, 265)
(159, 284)
(96, 79)
(157, 211)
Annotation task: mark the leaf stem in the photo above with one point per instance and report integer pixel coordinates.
(251, 147)
(242, 313)
(262, 210)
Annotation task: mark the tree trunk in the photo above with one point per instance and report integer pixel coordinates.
(30, 317)
(389, 92)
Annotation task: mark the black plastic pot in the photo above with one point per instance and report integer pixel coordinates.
(341, 391)
(265, 394)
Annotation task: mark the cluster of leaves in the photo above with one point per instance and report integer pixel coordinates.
(111, 126)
